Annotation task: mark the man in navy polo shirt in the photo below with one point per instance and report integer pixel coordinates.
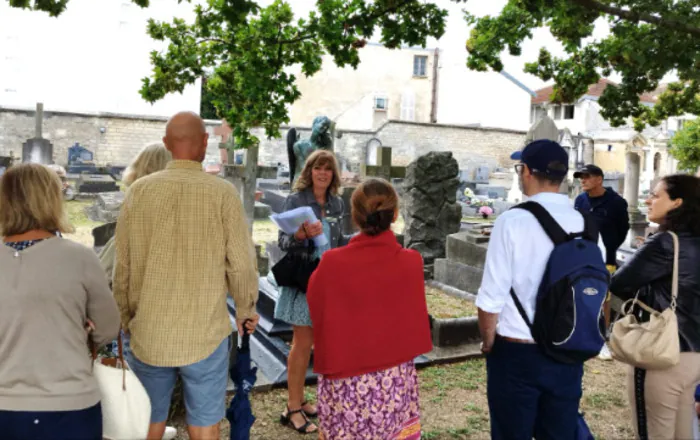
(606, 206)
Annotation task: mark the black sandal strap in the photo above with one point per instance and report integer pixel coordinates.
(302, 429)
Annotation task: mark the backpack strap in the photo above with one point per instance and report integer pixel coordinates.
(590, 228)
(521, 309)
(550, 226)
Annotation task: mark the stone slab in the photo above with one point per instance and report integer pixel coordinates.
(460, 250)
(458, 275)
(111, 201)
(455, 332)
(275, 200)
(262, 211)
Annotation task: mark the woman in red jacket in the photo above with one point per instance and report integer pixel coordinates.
(370, 320)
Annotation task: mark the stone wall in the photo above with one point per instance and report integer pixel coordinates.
(116, 139)
(470, 146)
(113, 138)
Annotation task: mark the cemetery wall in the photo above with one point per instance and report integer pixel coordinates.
(113, 138)
(471, 146)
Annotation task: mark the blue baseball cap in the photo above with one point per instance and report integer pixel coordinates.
(544, 156)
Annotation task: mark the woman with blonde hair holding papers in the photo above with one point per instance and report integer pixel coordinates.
(317, 188)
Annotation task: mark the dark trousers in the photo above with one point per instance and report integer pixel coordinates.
(530, 395)
(84, 424)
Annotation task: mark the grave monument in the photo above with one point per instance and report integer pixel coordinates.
(463, 267)
(430, 208)
(38, 149)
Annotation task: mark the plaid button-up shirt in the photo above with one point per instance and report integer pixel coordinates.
(182, 242)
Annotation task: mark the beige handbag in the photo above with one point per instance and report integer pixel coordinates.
(652, 345)
(126, 407)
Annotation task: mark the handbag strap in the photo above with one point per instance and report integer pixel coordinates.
(674, 280)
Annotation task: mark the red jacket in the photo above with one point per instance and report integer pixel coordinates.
(367, 304)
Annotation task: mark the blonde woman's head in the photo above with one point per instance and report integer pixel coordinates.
(31, 198)
(154, 157)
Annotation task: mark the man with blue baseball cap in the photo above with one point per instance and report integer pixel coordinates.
(529, 394)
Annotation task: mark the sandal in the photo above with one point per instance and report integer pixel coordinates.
(308, 414)
(286, 420)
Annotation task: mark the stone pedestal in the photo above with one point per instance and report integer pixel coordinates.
(637, 221)
(463, 268)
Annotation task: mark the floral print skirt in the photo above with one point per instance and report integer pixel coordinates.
(375, 406)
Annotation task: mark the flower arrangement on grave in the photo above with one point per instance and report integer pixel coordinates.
(478, 203)
(486, 211)
(468, 193)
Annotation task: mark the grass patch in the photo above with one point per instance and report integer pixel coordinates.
(75, 209)
(264, 231)
(478, 220)
(444, 306)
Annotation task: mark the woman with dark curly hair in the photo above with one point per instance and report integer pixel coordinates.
(662, 400)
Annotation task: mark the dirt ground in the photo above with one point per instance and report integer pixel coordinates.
(454, 405)
(453, 397)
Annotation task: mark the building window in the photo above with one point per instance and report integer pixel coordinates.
(569, 112)
(557, 112)
(381, 103)
(420, 66)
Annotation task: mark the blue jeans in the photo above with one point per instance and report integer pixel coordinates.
(84, 424)
(204, 385)
(531, 395)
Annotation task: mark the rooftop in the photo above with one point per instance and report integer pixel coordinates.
(595, 90)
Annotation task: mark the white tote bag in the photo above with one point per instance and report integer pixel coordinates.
(126, 408)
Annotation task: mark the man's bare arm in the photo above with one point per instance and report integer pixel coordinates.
(487, 328)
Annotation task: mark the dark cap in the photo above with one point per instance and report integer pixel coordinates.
(591, 170)
(544, 156)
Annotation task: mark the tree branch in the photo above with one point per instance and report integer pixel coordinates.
(638, 16)
(205, 40)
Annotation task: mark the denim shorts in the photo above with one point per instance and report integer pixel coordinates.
(204, 385)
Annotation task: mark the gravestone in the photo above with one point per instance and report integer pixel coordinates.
(92, 183)
(482, 174)
(492, 192)
(106, 207)
(262, 211)
(102, 234)
(463, 267)
(38, 149)
(430, 208)
(80, 160)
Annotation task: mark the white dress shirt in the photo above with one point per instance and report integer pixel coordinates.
(517, 257)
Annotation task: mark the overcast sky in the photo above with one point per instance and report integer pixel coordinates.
(453, 42)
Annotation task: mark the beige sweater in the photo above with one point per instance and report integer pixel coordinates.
(47, 292)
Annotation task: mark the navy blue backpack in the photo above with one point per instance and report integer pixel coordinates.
(569, 325)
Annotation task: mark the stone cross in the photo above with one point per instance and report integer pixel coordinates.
(245, 176)
(38, 149)
(383, 169)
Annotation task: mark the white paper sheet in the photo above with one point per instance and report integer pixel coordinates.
(290, 222)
